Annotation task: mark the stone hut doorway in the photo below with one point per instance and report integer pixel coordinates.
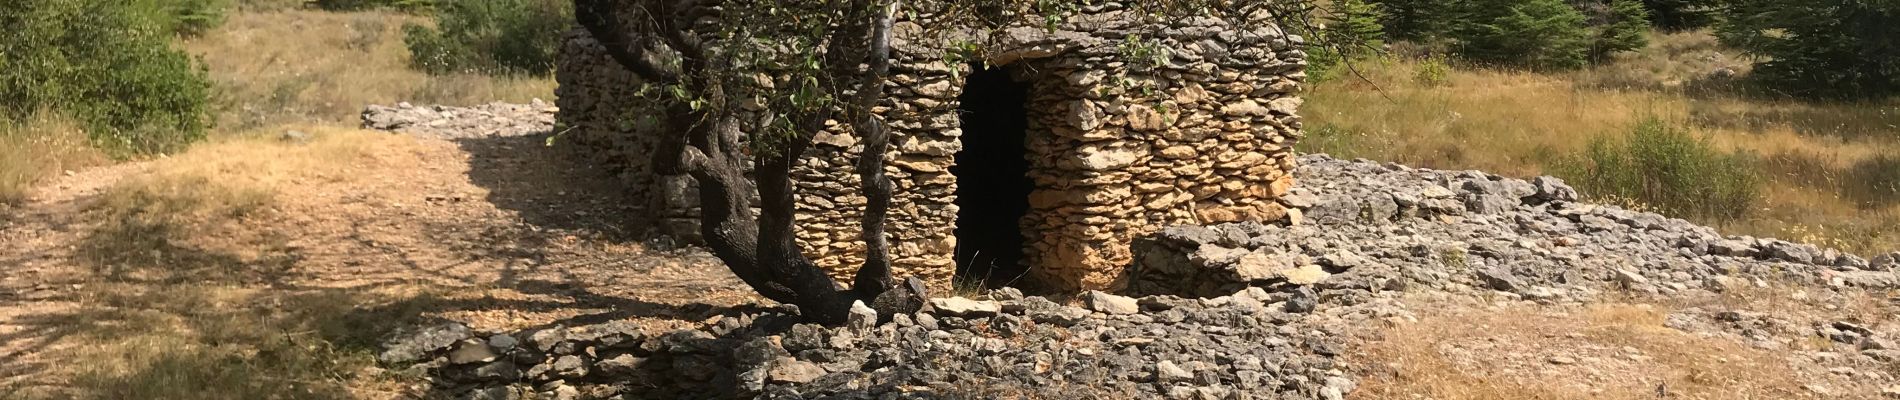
(993, 182)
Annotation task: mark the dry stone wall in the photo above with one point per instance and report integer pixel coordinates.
(1118, 147)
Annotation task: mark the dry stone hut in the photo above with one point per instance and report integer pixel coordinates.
(1036, 160)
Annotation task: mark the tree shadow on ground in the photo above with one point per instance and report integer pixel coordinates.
(228, 341)
(555, 187)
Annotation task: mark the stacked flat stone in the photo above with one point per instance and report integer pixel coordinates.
(1117, 148)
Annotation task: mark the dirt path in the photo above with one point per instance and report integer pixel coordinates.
(497, 232)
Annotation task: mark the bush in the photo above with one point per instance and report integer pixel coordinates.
(491, 36)
(105, 64)
(185, 17)
(1534, 34)
(1665, 168)
(1837, 49)
(1433, 71)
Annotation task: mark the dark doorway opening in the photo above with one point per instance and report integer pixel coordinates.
(992, 178)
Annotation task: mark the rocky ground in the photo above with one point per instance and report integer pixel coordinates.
(1257, 311)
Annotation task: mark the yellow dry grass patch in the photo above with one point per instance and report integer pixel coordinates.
(39, 147)
(277, 66)
(1611, 351)
(193, 214)
(189, 297)
(1524, 124)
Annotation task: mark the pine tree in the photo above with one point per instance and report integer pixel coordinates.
(1676, 15)
(1624, 26)
(1534, 34)
(1841, 49)
(1416, 20)
(1352, 31)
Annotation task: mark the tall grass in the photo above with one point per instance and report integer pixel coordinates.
(42, 145)
(1665, 167)
(1875, 181)
(1526, 124)
(293, 66)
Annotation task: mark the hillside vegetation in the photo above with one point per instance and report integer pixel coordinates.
(158, 75)
(1822, 172)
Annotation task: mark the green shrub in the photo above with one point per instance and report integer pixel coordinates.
(185, 17)
(491, 36)
(1433, 71)
(1836, 49)
(1666, 168)
(106, 64)
(1534, 34)
(1874, 181)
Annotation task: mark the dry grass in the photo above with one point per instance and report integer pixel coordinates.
(157, 226)
(1612, 351)
(191, 291)
(278, 66)
(39, 147)
(1525, 124)
(189, 298)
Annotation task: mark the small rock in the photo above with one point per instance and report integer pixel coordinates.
(493, 393)
(1500, 279)
(790, 370)
(419, 346)
(498, 371)
(621, 365)
(471, 351)
(503, 342)
(862, 317)
(1630, 278)
(1561, 360)
(1166, 371)
(1303, 301)
(1307, 275)
(962, 307)
(1110, 304)
(570, 367)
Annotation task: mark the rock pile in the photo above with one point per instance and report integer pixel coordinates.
(446, 122)
(1269, 308)
(1252, 345)
(1387, 226)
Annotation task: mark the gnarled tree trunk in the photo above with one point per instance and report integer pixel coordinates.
(660, 41)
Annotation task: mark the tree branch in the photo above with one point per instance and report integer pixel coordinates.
(601, 19)
(875, 275)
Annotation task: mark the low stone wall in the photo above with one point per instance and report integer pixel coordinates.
(1116, 152)
(1368, 225)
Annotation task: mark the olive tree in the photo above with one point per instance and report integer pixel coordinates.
(745, 86)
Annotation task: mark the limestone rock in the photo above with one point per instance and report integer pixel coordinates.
(962, 307)
(1109, 303)
(791, 370)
